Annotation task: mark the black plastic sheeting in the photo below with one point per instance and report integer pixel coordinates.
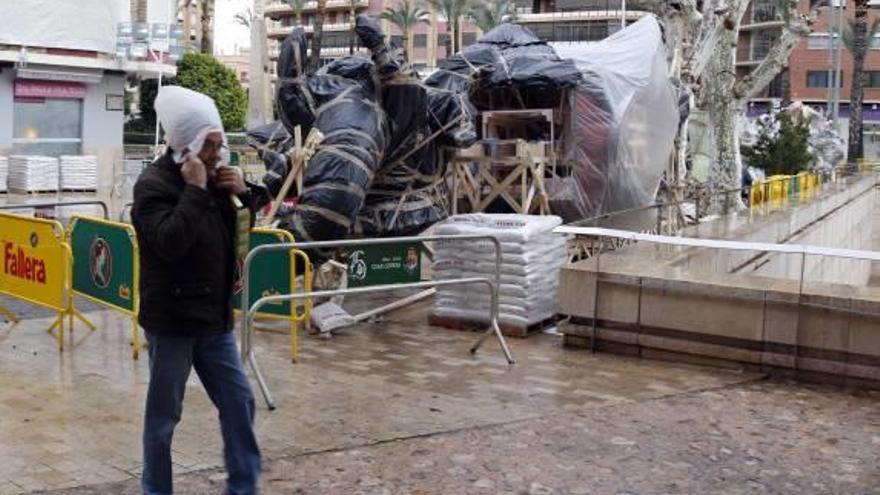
(272, 135)
(340, 101)
(508, 63)
(379, 169)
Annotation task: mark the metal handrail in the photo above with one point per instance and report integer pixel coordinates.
(697, 201)
(247, 351)
(125, 207)
(92, 202)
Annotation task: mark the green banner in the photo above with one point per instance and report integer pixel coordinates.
(270, 275)
(384, 264)
(103, 261)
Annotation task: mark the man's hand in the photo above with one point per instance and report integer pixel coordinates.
(193, 171)
(231, 179)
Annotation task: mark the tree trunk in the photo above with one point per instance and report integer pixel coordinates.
(448, 43)
(207, 26)
(139, 13)
(187, 26)
(299, 17)
(855, 149)
(351, 32)
(318, 34)
(725, 171)
(404, 43)
(456, 26)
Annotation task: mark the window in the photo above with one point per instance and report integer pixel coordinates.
(441, 39)
(776, 87)
(872, 79)
(765, 11)
(819, 41)
(819, 79)
(420, 40)
(47, 126)
(761, 43)
(397, 40)
(468, 39)
(590, 31)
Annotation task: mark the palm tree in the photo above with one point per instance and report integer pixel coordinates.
(297, 6)
(352, 13)
(858, 38)
(244, 18)
(406, 16)
(488, 15)
(187, 6)
(452, 10)
(138, 9)
(318, 35)
(207, 26)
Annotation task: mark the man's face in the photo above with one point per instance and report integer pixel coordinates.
(210, 153)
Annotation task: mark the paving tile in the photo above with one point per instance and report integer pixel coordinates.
(388, 380)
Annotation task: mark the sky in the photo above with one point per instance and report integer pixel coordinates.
(229, 35)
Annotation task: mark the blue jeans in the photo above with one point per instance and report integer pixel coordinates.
(216, 361)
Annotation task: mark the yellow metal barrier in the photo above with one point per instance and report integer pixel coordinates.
(294, 318)
(307, 306)
(37, 268)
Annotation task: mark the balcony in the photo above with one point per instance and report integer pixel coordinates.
(282, 9)
(755, 26)
(748, 63)
(327, 52)
(580, 15)
(276, 30)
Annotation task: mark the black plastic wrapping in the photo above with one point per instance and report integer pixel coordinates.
(380, 169)
(339, 101)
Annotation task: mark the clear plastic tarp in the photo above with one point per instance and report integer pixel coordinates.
(624, 119)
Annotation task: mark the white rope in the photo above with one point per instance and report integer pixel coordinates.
(721, 244)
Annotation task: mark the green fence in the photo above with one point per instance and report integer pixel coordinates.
(384, 264)
(271, 273)
(105, 262)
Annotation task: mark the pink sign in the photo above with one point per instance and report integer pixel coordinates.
(33, 88)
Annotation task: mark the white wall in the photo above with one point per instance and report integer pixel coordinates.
(6, 99)
(102, 129)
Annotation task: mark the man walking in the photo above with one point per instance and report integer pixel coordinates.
(185, 221)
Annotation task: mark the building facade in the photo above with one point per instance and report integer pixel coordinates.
(551, 20)
(809, 75)
(240, 63)
(62, 84)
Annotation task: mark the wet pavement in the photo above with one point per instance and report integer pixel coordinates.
(766, 437)
(400, 407)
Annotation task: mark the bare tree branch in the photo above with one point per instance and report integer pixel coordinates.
(776, 59)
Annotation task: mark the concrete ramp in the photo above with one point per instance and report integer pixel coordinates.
(745, 309)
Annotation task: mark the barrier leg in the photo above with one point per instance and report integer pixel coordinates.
(136, 338)
(9, 315)
(60, 323)
(55, 323)
(252, 359)
(496, 330)
(81, 317)
(294, 344)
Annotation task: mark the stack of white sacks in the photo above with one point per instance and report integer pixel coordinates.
(33, 173)
(4, 172)
(79, 172)
(532, 256)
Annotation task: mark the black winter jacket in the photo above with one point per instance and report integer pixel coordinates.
(187, 258)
